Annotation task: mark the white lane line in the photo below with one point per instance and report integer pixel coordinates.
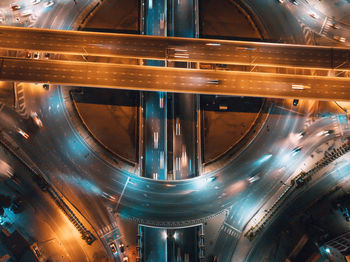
(324, 23)
(235, 229)
(121, 195)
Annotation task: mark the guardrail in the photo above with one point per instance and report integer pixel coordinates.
(40, 180)
(85, 234)
(254, 230)
(299, 181)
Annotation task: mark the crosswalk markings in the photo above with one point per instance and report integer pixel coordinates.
(107, 229)
(20, 104)
(325, 25)
(308, 34)
(230, 230)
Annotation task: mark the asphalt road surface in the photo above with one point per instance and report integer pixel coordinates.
(73, 165)
(175, 79)
(174, 49)
(155, 103)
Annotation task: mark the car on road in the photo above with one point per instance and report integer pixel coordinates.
(46, 86)
(339, 38)
(22, 133)
(326, 132)
(155, 140)
(173, 52)
(110, 197)
(49, 3)
(155, 176)
(161, 100)
(334, 26)
(245, 48)
(211, 179)
(300, 87)
(36, 119)
(313, 15)
(36, 55)
(301, 181)
(113, 247)
(297, 149)
(301, 134)
(223, 107)
(253, 179)
(330, 132)
(15, 7)
(295, 102)
(121, 247)
(17, 205)
(29, 55)
(294, 2)
(125, 259)
(161, 21)
(35, 2)
(6, 171)
(213, 82)
(345, 212)
(213, 44)
(280, 1)
(2, 18)
(161, 159)
(177, 127)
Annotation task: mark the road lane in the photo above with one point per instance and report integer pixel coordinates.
(182, 23)
(155, 103)
(175, 79)
(174, 48)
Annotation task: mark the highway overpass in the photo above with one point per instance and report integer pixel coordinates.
(173, 48)
(238, 83)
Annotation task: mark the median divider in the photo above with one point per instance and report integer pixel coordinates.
(85, 234)
(302, 179)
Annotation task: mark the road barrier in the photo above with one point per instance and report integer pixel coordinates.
(40, 180)
(85, 234)
(254, 230)
(299, 181)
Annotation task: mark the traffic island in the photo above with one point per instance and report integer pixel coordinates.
(111, 119)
